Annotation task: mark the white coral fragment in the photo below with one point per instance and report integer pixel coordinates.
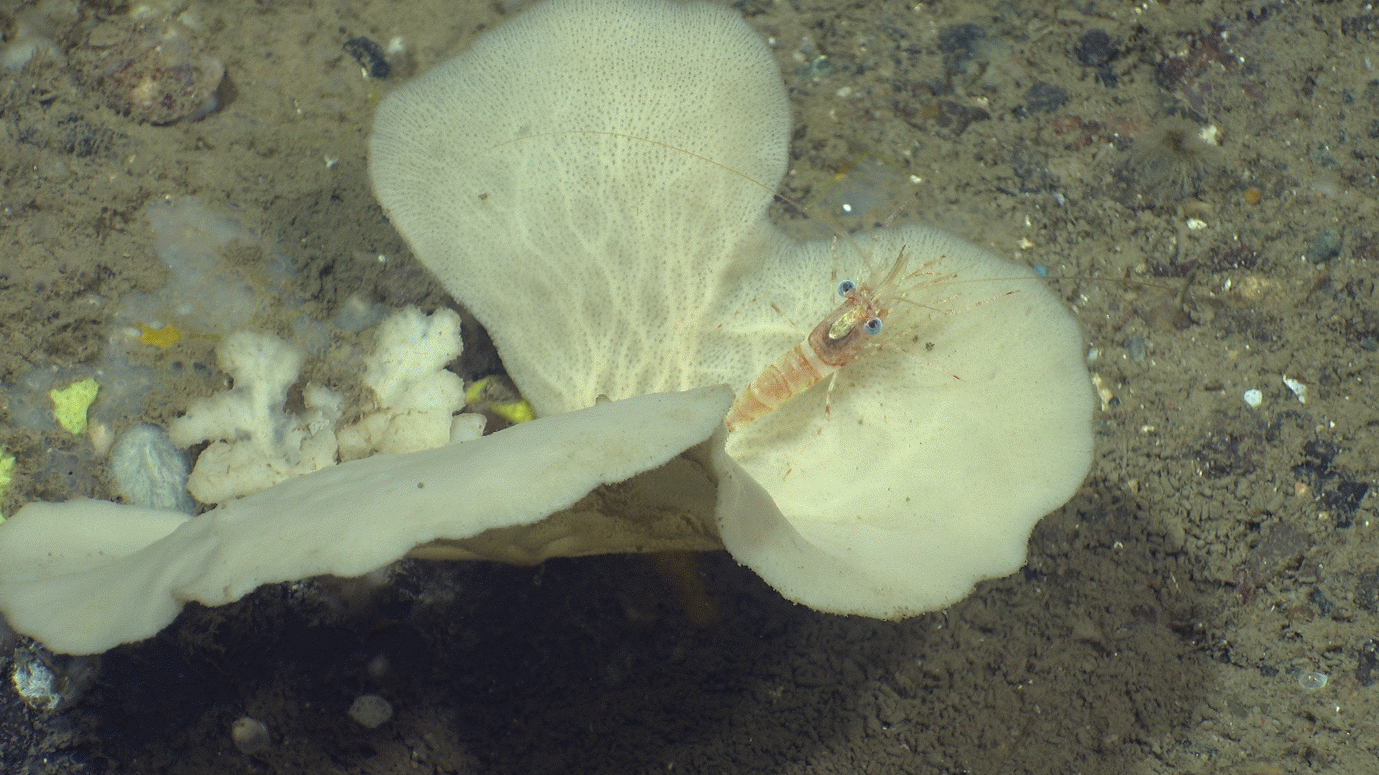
(416, 396)
(254, 443)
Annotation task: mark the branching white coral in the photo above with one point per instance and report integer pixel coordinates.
(255, 444)
(416, 396)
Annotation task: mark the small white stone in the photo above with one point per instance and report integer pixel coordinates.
(371, 711)
(1254, 398)
(250, 735)
(1298, 387)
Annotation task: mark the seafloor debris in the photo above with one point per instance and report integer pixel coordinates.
(369, 55)
(371, 711)
(250, 735)
(158, 72)
(52, 682)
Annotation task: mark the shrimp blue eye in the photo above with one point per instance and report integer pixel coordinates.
(846, 287)
(872, 326)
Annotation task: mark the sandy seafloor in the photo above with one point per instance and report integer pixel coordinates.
(1216, 554)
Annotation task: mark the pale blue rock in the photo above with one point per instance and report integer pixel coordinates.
(149, 471)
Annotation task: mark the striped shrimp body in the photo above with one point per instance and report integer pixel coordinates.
(841, 336)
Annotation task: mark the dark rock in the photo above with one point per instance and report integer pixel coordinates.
(1095, 48)
(1044, 97)
(369, 55)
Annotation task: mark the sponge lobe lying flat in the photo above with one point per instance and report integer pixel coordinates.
(84, 576)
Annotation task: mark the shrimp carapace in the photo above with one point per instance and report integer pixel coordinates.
(841, 336)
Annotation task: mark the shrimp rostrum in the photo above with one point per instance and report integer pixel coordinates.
(845, 334)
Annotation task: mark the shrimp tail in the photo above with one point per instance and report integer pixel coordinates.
(808, 363)
(794, 373)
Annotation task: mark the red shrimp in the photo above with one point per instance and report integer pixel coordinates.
(839, 338)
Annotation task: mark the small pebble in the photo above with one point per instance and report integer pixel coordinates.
(378, 667)
(1325, 247)
(1095, 48)
(250, 735)
(1298, 387)
(369, 55)
(371, 711)
(1137, 348)
(1312, 681)
(961, 41)
(52, 682)
(822, 67)
(1045, 97)
(1253, 398)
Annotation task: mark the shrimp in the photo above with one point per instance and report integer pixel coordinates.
(838, 339)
